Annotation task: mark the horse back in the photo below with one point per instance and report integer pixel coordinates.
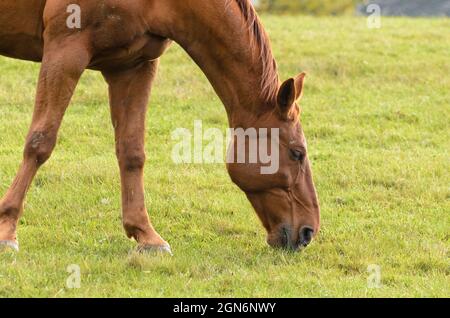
(21, 28)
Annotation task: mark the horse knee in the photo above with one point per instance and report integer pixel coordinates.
(135, 162)
(39, 147)
(131, 159)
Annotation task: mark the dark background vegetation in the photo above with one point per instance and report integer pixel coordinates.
(316, 7)
(356, 7)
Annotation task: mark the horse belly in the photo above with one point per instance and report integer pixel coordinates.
(21, 27)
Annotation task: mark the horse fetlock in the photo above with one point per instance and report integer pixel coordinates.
(8, 226)
(9, 210)
(143, 235)
(132, 230)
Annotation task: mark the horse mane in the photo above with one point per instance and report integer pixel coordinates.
(260, 41)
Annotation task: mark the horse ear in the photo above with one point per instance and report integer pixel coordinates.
(299, 83)
(286, 95)
(290, 91)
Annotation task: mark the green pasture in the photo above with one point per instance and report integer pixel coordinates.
(376, 112)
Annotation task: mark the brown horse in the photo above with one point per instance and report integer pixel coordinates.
(124, 40)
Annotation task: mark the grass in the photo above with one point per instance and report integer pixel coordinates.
(376, 112)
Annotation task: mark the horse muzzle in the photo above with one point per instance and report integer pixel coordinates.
(287, 239)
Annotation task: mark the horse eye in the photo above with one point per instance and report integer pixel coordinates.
(297, 155)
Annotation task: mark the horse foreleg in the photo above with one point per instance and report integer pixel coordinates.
(62, 66)
(129, 93)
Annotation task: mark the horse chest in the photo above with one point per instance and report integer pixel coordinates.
(120, 39)
(141, 48)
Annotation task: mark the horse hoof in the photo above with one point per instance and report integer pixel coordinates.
(158, 249)
(9, 245)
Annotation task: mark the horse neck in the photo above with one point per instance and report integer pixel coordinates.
(217, 40)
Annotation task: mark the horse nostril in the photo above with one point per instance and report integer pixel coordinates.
(306, 235)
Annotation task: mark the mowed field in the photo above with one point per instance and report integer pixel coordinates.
(376, 113)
